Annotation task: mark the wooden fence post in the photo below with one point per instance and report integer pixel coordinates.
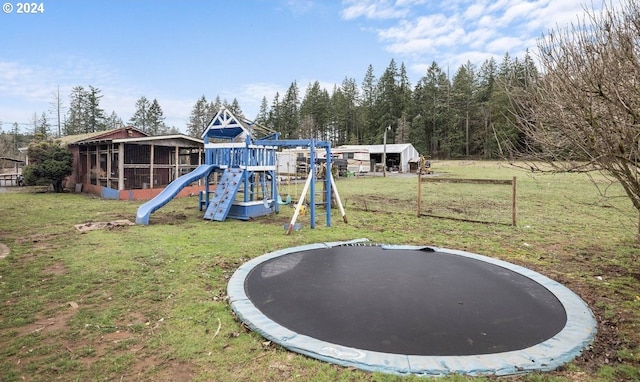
(419, 190)
(514, 203)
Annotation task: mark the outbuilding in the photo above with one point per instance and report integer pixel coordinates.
(398, 155)
(126, 163)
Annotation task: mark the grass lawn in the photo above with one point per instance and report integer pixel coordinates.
(149, 302)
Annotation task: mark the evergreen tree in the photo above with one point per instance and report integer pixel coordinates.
(215, 105)
(140, 119)
(96, 118)
(524, 71)
(49, 163)
(405, 103)
(43, 128)
(155, 118)
(114, 122)
(76, 115)
(484, 96)
(199, 118)
(503, 127)
(349, 114)
(316, 106)
(368, 105)
(387, 105)
(463, 109)
(274, 119)
(84, 114)
(430, 126)
(235, 108)
(290, 113)
(337, 116)
(263, 113)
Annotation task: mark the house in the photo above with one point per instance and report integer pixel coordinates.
(126, 163)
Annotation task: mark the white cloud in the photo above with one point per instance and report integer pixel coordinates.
(251, 96)
(299, 7)
(474, 11)
(459, 30)
(504, 44)
(19, 80)
(26, 88)
(376, 9)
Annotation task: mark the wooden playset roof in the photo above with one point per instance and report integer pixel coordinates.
(225, 125)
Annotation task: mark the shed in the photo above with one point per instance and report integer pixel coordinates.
(398, 155)
(127, 163)
(10, 169)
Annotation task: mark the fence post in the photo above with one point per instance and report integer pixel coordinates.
(514, 205)
(419, 190)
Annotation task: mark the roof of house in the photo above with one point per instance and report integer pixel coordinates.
(98, 136)
(127, 135)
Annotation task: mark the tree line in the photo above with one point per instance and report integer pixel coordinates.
(445, 116)
(467, 114)
(86, 116)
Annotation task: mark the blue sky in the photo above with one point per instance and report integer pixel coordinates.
(176, 51)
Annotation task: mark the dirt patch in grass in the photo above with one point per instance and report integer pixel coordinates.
(169, 218)
(4, 251)
(161, 369)
(45, 324)
(275, 219)
(40, 241)
(55, 269)
(103, 225)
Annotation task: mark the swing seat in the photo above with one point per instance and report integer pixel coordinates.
(286, 201)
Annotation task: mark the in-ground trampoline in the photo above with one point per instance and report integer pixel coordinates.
(411, 310)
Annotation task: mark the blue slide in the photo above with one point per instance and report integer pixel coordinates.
(170, 192)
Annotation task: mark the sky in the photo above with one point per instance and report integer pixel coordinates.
(177, 51)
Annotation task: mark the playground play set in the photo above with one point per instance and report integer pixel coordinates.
(247, 170)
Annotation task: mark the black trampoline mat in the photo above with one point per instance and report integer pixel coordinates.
(404, 301)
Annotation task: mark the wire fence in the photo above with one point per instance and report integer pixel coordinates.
(485, 201)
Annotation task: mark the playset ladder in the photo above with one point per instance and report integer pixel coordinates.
(224, 195)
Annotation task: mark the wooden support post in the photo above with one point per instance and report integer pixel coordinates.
(151, 166)
(109, 169)
(88, 175)
(177, 166)
(121, 166)
(335, 191)
(98, 168)
(300, 201)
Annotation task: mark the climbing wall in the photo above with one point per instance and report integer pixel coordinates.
(224, 195)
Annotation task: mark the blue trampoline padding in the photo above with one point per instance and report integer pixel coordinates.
(578, 332)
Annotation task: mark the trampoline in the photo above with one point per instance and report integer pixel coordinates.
(411, 309)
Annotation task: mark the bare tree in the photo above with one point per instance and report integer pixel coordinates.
(583, 112)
